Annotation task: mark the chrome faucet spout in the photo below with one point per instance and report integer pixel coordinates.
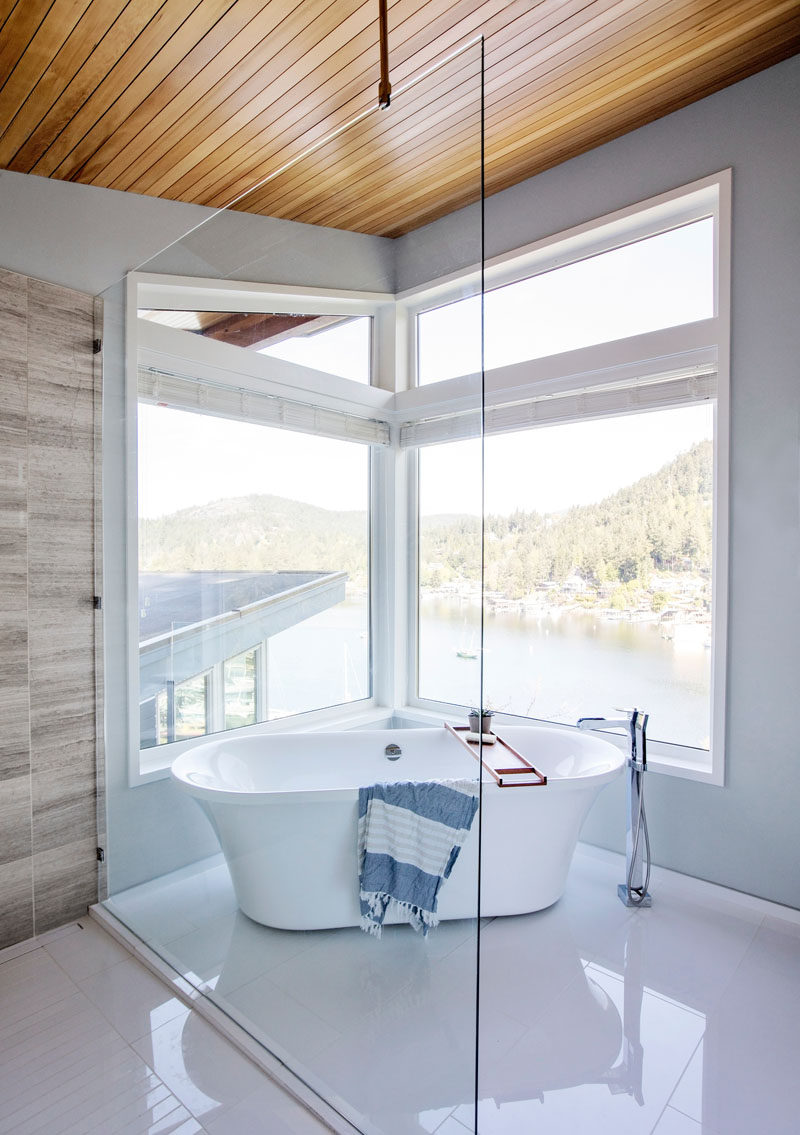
(604, 723)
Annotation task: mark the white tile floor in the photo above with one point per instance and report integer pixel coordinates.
(91, 1043)
(684, 1018)
(679, 1020)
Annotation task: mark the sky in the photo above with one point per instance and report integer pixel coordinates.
(343, 349)
(189, 459)
(551, 468)
(663, 281)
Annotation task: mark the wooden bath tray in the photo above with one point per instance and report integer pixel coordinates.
(505, 777)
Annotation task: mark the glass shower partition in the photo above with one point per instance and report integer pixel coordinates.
(292, 551)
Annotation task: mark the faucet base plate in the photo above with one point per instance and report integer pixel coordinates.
(622, 892)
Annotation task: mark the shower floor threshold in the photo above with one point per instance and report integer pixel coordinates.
(238, 1036)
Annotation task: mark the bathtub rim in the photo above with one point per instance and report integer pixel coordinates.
(248, 797)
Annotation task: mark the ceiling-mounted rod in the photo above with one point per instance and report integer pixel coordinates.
(384, 86)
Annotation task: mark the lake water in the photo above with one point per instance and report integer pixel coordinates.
(563, 666)
(558, 667)
(321, 661)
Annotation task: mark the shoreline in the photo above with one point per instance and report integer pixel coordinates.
(677, 613)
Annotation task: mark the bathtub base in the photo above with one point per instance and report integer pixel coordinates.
(527, 844)
(291, 848)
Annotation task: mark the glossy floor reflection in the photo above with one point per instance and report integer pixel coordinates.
(91, 1043)
(677, 1020)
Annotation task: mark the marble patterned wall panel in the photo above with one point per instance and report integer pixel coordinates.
(14, 694)
(60, 614)
(64, 885)
(16, 913)
(16, 868)
(48, 408)
(16, 896)
(13, 317)
(14, 734)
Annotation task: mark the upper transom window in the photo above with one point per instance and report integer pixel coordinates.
(659, 281)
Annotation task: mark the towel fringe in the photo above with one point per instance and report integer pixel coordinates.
(381, 905)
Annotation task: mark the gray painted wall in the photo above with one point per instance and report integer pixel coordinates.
(744, 835)
(87, 238)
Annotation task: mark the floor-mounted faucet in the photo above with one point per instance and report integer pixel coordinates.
(633, 892)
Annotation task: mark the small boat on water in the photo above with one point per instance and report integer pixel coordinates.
(468, 646)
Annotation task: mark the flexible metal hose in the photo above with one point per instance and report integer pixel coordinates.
(637, 895)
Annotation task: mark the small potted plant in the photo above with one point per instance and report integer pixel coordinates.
(481, 722)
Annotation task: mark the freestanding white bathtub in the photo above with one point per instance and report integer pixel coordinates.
(285, 809)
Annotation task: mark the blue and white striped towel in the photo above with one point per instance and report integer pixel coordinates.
(409, 837)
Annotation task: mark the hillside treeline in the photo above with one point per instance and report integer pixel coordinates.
(256, 533)
(661, 523)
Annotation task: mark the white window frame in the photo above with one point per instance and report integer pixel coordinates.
(395, 399)
(688, 348)
(160, 348)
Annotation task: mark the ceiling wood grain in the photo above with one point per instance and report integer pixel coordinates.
(201, 100)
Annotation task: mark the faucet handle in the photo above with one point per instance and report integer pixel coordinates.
(635, 716)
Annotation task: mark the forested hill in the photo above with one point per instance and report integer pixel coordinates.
(660, 523)
(256, 533)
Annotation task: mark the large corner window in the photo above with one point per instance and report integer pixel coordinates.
(256, 428)
(597, 570)
(253, 564)
(571, 534)
(604, 492)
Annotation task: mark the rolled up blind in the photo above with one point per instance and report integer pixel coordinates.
(557, 409)
(160, 388)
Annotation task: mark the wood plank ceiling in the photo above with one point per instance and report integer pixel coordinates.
(200, 100)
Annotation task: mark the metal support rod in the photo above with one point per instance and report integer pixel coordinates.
(384, 86)
(170, 712)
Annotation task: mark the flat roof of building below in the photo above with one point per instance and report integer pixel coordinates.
(171, 600)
